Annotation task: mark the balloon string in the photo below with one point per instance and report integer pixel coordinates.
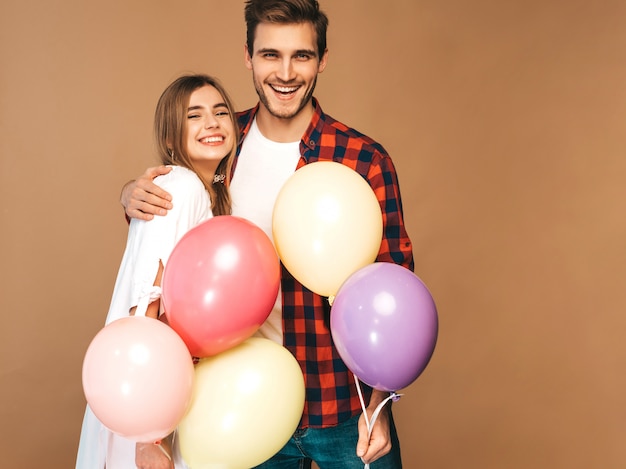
(158, 443)
(370, 423)
(358, 390)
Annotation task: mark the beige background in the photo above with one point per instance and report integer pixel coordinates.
(506, 123)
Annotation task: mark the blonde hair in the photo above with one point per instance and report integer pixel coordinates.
(170, 134)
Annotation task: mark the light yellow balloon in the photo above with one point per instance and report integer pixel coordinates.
(247, 403)
(326, 224)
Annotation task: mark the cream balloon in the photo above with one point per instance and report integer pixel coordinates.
(327, 224)
(246, 404)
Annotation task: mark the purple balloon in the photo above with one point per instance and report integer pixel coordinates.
(384, 324)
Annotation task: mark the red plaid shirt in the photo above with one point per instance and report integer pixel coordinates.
(331, 394)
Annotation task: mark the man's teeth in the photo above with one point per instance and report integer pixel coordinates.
(212, 139)
(285, 89)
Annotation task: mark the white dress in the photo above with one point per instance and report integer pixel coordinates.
(147, 244)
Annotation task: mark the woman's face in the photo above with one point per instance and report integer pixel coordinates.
(210, 131)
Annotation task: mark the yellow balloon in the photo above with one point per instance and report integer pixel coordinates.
(326, 224)
(247, 403)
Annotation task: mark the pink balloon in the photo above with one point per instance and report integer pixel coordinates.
(220, 284)
(384, 324)
(138, 378)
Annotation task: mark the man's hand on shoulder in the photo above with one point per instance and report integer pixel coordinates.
(143, 199)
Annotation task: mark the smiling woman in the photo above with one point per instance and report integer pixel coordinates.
(194, 127)
(196, 135)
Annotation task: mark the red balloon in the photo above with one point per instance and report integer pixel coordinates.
(220, 284)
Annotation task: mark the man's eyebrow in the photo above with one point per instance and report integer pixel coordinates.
(266, 50)
(306, 52)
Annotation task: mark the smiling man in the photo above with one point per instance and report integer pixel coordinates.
(284, 61)
(286, 51)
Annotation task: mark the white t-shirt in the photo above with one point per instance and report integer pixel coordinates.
(148, 243)
(262, 169)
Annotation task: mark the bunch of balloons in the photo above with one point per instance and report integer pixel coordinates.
(327, 226)
(243, 400)
(219, 286)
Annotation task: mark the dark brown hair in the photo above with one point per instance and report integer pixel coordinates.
(285, 12)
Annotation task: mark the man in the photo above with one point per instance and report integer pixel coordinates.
(285, 51)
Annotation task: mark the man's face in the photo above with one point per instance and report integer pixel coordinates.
(285, 63)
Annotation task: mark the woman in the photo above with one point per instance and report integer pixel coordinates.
(196, 133)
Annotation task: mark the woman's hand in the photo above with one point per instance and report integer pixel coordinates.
(153, 456)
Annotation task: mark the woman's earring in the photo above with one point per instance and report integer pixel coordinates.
(219, 178)
(171, 153)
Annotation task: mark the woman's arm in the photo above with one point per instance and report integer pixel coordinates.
(150, 243)
(153, 308)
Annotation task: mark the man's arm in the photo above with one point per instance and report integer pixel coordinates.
(143, 199)
(395, 247)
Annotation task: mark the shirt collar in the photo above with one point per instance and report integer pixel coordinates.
(311, 135)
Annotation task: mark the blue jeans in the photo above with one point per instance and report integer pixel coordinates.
(330, 448)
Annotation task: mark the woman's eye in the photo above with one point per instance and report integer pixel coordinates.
(193, 116)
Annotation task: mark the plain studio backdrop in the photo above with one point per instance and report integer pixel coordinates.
(506, 123)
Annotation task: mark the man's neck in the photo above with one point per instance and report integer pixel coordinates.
(283, 130)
